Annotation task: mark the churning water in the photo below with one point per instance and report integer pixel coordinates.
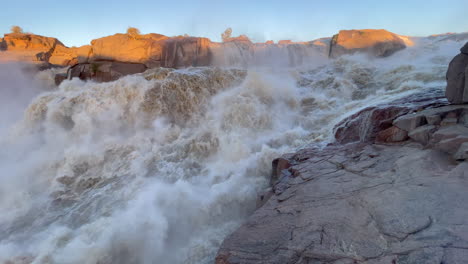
(159, 167)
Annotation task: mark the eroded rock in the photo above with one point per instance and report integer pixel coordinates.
(377, 42)
(104, 71)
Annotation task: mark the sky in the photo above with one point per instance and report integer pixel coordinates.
(76, 23)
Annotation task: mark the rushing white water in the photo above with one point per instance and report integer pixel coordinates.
(160, 167)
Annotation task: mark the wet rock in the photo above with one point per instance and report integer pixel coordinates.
(59, 78)
(104, 71)
(377, 42)
(365, 125)
(392, 134)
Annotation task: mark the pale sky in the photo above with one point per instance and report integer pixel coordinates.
(76, 23)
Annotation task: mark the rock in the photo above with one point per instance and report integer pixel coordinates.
(451, 145)
(433, 119)
(449, 138)
(422, 134)
(380, 204)
(450, 132)
(32, 42)
(464, 119)
(104, 71)
(186, 52)
(457, 88)
(410, 122)
(153, 50)
(377, 42)
(392, 134)
(3, 45)
(366, 124)
(144, 49)
(64, 56)
(241, 38)
(29, 47)
(464, 49)
(59, 78)
(462, 152)
(285, 42)
(448, 121)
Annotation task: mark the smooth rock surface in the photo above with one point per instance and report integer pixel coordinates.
(360, 204)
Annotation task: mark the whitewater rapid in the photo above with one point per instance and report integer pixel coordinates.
(160, 167)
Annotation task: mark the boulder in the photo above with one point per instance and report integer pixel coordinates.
(104, 71)
(392, 134)
(410, 121)
(377, 42)
(422, 134)
(457, 87)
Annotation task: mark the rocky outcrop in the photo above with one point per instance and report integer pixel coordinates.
(144, 49)
(28, 48)
(368, 201)
(64, 56)
(375, 122)
(377, 42)
(155, 50)
(457, 86)
(181, 52)
(444, 128)
(102, 71)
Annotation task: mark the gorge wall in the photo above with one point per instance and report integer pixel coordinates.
(155, 50)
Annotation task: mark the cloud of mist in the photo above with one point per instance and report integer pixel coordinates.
(17, 88)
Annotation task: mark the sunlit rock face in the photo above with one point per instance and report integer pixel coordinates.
(377, 42)
(27, 48)
(144, 49)
(64, 56)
